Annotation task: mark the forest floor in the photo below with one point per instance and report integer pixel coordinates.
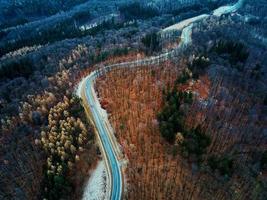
(96, 186)
(84, 168)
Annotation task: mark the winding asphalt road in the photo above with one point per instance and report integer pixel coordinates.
(105, 139)
(108, 144)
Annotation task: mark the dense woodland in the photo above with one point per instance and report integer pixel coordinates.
(171, 138)
(15, 13)
(137, 11)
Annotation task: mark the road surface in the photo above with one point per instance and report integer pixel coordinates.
(103, 132)
(108, 144)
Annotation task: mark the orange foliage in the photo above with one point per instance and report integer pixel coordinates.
(133, 97)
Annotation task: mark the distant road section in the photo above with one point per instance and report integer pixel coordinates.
(218, 12)
(185, 23)
(228, 9)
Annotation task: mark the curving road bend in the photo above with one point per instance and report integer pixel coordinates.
(92, 105)
(105, 140)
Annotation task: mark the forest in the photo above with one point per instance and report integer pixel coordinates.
(189, 125)
(137, 11)
(162, 122)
